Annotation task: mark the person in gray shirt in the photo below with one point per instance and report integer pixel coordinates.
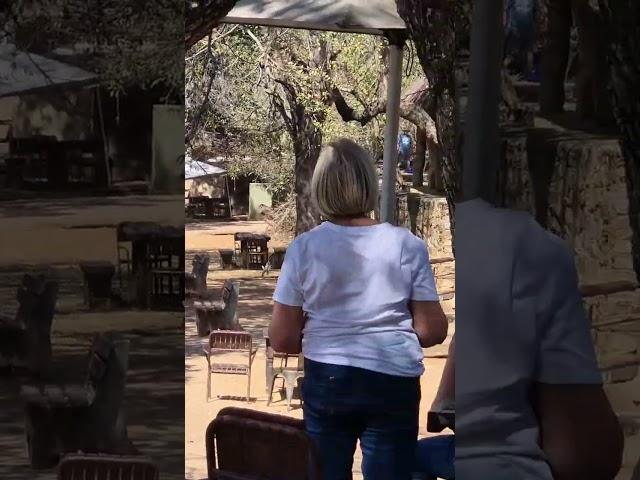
(528, 393)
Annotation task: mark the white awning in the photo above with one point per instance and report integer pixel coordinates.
(195, 169)
(22, 72)
(353, 16)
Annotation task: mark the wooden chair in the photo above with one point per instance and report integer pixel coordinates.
(25, 342)
(219, 315)
(165, 263)
(85, 467)
(252, 445)
(85, 417)
(221, 342)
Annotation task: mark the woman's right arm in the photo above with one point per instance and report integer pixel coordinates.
(579, 431)
(429, 322)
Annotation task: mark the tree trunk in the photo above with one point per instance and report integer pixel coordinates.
(306, 145)
(435, 167)
(621, 19)
(434, 33)
(203, 17)
(419, 159)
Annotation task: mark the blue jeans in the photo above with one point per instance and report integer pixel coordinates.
(436, 457)
(345, 404)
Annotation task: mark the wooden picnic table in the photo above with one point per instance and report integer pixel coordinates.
(152, 246)
(251, 249)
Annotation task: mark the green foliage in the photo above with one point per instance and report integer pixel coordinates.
(253, 69)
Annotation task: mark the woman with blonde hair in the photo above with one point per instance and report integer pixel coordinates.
(358, 298)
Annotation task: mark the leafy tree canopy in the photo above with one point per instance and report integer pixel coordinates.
(126, 43)
(237, 82)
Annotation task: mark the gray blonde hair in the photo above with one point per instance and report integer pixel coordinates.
(344, 183)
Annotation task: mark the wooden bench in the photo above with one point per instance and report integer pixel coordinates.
(88, 417)
(219, 315)
(25, 342)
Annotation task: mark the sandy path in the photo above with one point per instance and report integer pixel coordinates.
(154, 395)
(254, 312)
(72, 230)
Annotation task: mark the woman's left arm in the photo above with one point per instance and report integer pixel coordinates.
(285, 331)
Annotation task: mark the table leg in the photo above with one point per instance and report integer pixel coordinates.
(269, 373)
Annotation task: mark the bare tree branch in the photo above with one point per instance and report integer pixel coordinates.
(196, 121)
(409, 110)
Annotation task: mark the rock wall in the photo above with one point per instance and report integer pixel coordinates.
(427, 216)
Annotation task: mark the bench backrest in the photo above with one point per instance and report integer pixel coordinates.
(107, 371)
(230, 297)
(37, 299)
(200, 270)
(107, 375)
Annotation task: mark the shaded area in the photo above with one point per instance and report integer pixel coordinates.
(154, 401)
(79, 206)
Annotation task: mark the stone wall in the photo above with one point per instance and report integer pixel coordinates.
(427, 216)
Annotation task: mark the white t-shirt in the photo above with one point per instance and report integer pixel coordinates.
(355, 284)
(520, 321)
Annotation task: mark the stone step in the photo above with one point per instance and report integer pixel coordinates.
(530, 91)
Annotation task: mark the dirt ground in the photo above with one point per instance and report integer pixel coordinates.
(52, 236)
(254, 311)
(58, 231)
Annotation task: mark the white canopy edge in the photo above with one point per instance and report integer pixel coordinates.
(22, 72)
(374, 17)
(197, 169)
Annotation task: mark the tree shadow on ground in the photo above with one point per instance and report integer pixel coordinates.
(254, 313)
(74, 205)
(154, 401)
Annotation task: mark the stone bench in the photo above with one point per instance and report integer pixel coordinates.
(86, 417)
(219, 315)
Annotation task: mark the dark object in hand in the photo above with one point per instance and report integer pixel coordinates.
(438, 420)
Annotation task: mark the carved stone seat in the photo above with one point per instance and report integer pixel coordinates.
(25, 342)
(58, 396)
(219, 315)
(195, 282)
(88, 417)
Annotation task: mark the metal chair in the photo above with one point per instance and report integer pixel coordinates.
(223, 341)
(290, 375)
(80, 467)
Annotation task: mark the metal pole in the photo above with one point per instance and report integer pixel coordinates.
(482, 134)
(390, 158)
